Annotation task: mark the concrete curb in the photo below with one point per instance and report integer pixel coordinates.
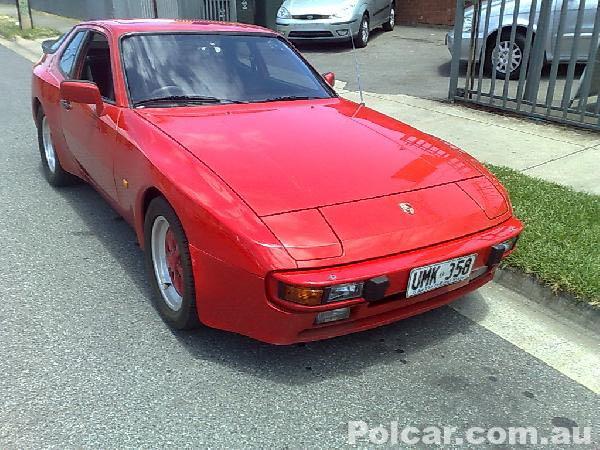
(30, 50)
(562, 304)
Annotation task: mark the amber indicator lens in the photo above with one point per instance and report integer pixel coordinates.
(510, 244)
(302, 295)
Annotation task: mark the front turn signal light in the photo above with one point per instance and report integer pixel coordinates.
(301, 295)
(510, 244)
(309, 296)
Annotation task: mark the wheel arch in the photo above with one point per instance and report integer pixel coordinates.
(492, 36)
(508, 29)
(36, 105)
(149, 194)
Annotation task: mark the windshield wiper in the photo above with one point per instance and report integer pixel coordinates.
(184, 100)
(287, 98)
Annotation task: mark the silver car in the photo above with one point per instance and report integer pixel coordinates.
(335, 20)
(499, 55)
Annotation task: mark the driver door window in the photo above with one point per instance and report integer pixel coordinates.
(95, 65)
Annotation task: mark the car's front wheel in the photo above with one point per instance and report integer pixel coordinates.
(362, 39)
(53, 170)
(506, 56)
(169, 265)
(391, 23)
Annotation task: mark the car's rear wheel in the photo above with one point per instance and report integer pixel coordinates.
(391, 23)
(169, 265)
(362, 39)
(53, 170)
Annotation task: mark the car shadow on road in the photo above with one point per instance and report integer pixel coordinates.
(395, 344)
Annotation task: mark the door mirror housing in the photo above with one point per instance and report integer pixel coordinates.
(330, 78)
(47, 46)
(82, 92)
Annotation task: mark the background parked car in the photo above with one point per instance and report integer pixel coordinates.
(335, 20)
(499, 54)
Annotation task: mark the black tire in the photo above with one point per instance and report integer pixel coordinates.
(186, 317)
(391, 23)
(55, 174)
(520, 39)
(362, 39)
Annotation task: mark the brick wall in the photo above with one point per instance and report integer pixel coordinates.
(432, 12)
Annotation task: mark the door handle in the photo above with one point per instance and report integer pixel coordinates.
(66, 104)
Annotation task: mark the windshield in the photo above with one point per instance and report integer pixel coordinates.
(215, 68)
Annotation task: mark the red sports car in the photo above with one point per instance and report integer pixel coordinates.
(266, 205)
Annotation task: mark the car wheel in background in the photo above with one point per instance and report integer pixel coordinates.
(362, 39)
(53, 171)
(169, 266)
(499, 56)
(391, 23)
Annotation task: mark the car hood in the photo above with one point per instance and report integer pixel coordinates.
(286, 156)
(336, 182)
(326, 7)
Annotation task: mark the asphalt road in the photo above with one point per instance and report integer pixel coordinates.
(85, 361)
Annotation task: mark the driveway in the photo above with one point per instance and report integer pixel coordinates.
(409, 60)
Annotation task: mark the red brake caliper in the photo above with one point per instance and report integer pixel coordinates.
(174, 261)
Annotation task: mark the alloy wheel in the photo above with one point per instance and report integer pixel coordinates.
(365, 30)
(502, 57)
(166, 258)
(49, 152)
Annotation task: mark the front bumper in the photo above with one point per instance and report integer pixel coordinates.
(320, 30)
(234, 300)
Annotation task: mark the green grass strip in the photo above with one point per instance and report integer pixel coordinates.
(9, 30)
(561, 241)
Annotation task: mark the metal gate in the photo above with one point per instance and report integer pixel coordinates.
(220, 10)
(539, 58)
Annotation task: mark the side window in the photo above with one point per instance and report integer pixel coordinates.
(244, 55)
(69, 56)
(96, 65)
(284, 69)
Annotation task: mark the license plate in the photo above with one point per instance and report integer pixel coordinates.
(435, 276)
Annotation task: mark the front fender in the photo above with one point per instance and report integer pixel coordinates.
(213, 216)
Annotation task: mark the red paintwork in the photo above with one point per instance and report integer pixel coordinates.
(82, 92)
(290, 191)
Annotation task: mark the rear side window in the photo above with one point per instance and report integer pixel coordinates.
(69, 56)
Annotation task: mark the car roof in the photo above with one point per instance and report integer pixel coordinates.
(123, 26)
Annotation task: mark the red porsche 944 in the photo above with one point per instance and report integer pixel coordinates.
(266, 205)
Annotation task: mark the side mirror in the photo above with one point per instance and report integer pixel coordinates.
(82, 92)
(47, 46)
(330, 78)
